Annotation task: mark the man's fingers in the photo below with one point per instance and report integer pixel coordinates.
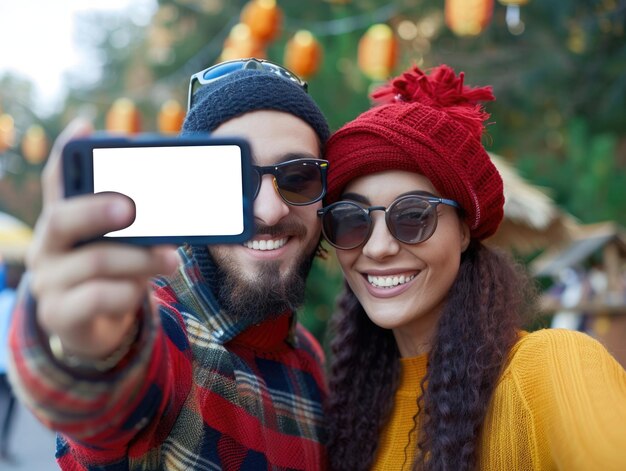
(102, 260)
(52, 185)
(168, 257)
(64, 224)
(65, 311)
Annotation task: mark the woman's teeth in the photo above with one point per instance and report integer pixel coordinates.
(265, 244)
(388, 281)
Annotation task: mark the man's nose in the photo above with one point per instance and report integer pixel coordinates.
(269, 207)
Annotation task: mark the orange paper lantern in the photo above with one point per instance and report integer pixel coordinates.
(240, 44)
(35, 144)
(378, 51)
(123, 117)
(468, 17)
(303, 54)
(264, 19)
(171, 117)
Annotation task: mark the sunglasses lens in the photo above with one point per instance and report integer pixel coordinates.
(299, 182)
(412, 220)
(221, 70)
(212, 73)
(346, 225)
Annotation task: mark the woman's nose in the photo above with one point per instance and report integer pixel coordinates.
(381, 244)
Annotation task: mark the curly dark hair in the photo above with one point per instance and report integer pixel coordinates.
(484, 312)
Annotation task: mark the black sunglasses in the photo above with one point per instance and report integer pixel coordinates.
(410, 219)
(298, 182)
(221, 70)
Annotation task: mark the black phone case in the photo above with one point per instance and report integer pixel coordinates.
(78, 180)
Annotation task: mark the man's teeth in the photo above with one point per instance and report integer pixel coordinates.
(265, 244)
(388, 281)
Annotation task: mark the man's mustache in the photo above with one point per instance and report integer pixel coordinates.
(293, 228)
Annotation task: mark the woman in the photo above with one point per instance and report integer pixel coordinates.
(431, 368)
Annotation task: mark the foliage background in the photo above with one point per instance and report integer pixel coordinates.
(559, 117)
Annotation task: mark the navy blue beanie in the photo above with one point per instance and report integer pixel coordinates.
(251, 90)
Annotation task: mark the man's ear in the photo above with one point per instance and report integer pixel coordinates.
(465, 235)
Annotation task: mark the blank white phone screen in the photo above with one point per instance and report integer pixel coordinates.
(178, 191)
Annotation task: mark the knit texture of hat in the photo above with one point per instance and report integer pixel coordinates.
(251, 90)
(428, 124)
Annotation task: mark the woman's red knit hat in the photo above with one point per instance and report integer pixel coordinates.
(428, 124)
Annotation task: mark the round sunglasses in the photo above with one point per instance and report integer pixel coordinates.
(410, 219)
(298, 182)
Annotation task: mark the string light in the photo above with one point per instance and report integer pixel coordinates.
(512, 16)
(35, 144)
(7, 132)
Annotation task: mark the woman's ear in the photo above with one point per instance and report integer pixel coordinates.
(465, 235)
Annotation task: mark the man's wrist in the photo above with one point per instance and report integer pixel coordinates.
(91, 365)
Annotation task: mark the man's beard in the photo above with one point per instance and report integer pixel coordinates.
(270, 294)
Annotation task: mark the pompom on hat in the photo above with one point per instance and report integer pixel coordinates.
(428, 124)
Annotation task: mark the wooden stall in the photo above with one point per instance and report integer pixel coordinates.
(590, 280)
(532, 221)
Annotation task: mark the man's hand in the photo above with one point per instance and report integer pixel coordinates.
(88, 295)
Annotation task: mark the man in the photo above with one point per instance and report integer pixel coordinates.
(207, 368)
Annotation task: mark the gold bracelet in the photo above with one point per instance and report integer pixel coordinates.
(93, 365)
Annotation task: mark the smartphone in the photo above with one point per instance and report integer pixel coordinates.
(186, 189)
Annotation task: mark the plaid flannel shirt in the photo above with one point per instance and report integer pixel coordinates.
(198, 391)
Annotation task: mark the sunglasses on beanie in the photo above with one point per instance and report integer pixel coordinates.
(221, 70)
(410, 219)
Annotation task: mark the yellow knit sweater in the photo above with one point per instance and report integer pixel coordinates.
(560, 404)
